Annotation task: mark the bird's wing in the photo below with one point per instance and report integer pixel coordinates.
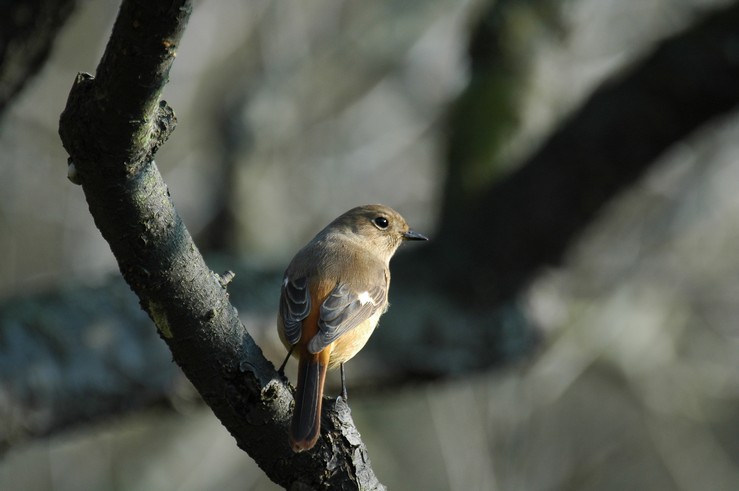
(344, 309)
(294, 307)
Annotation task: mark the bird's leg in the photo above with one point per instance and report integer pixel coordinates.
(281, 370)
(343, 394)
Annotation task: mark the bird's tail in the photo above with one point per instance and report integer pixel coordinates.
(306, 423)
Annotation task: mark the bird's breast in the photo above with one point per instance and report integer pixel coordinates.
(350, 343)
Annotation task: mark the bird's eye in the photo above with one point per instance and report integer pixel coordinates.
(381, 222)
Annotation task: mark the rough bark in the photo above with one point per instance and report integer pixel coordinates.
(111, 127)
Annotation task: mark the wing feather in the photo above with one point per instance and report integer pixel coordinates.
(294, 307)
(343, 310)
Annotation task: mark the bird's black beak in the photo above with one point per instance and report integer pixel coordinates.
(411, 235)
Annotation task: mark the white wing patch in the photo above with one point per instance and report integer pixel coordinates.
(365, 298)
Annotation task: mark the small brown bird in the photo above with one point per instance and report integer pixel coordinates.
(333, 293)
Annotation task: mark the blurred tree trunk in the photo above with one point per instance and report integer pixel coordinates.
(486, 114)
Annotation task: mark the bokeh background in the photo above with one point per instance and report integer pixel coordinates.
(291, 112)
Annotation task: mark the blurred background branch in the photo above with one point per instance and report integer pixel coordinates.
(513, 225)
(27, 33)
(79, 355)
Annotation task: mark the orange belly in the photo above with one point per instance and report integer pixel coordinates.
(351, 342)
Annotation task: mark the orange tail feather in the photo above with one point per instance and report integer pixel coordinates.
(306, 423)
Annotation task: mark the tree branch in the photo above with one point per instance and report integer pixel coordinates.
(111, 128)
